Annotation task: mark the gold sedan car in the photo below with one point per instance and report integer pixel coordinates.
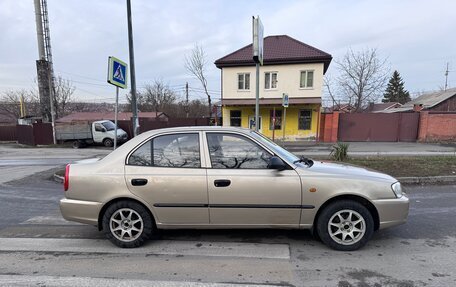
(214, 177)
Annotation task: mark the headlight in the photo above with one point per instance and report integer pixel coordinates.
(397, 189)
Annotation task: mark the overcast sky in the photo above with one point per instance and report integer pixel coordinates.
(416, 36)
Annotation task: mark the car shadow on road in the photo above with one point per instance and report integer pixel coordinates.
(237, 235)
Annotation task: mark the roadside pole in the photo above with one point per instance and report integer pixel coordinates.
(115, 117)
(257, 33)
(285, 106)
(284, 122)
(257, 98)
(134, 105)
(273, 123)
(117, 76)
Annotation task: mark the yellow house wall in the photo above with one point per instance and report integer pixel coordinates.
(292, 131)
(288, 79)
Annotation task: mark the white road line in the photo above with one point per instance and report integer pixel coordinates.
(49, 220)
(23, 280)
(160, 247)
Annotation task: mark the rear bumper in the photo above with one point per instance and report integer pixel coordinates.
(80, 210)
(392, 212)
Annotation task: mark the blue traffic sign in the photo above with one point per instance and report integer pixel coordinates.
(117, 72)
(285, 100)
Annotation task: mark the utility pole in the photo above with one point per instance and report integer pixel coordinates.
(134, 106)
(186, 99)
(446, 77)
(45, 68)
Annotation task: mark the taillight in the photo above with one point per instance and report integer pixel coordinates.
(66, 179)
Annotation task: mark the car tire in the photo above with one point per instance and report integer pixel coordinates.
(128, 224)
(76, 144)
(108, 142)
(345, 225)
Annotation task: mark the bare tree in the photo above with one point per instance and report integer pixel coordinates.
(196, 63)
(159, 96)
(63, 95)
(328, 84)
(362, 77)
(10, 103)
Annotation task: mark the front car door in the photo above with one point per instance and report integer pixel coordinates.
(242, 190)
(166, 172)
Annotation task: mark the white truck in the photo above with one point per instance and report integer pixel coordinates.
(83, 133)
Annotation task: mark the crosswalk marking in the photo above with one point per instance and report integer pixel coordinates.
(159, 247)
(24, 280)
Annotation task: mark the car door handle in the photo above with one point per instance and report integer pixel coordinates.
(222, 182)
(138, 181)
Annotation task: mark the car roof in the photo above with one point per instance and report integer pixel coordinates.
(199, 128)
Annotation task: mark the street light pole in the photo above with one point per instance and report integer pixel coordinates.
(257, 97)
(134, 106)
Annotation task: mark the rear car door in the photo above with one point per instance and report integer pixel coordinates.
(166, 172)
(243, 191)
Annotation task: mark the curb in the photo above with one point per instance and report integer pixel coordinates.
(428, 179)
(58, 178)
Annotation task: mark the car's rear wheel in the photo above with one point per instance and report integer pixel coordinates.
(108, 142)
(127, 224)
(77, 144)
(345, 225)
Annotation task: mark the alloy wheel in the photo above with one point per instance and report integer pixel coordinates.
(346, 227)
(126, 224)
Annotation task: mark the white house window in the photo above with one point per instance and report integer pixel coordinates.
(244, 81)
(307, 78)
(270, 80)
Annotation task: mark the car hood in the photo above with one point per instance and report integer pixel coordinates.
(325, 168)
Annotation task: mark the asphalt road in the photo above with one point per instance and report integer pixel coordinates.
(38, 247)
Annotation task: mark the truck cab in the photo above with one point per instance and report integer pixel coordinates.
(104, 132)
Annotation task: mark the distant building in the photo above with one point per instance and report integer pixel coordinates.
(96, 116)
(6, 118)
(380, 107)
(290, 67)
(441, 101)
(341, 108)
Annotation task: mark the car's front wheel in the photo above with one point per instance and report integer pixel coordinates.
(345, 225)
(127, 224)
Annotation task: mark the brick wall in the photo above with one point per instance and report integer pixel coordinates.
(437, 126)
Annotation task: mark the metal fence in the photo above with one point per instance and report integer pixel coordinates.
(379, 127)
(8, 133)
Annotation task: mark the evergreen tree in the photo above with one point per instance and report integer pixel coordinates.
(395, 91)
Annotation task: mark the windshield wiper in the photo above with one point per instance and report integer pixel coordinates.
(305, 160)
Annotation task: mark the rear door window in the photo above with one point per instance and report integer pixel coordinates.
(176, 150)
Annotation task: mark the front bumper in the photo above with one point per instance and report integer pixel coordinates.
(80, 210)
(392, 212)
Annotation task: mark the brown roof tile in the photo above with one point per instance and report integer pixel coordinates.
(280, 49)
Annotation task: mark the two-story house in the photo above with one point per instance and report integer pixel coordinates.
(289, 67)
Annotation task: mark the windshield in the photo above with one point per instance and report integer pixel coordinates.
(280, 151)
(109, 126)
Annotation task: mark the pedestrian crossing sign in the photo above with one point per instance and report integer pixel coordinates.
(117, 72)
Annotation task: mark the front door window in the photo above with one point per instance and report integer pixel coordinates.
(236, 152)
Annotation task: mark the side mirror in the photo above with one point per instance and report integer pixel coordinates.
(103, 130)
(276, 163)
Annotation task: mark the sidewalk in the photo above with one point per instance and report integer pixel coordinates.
(373, 149)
